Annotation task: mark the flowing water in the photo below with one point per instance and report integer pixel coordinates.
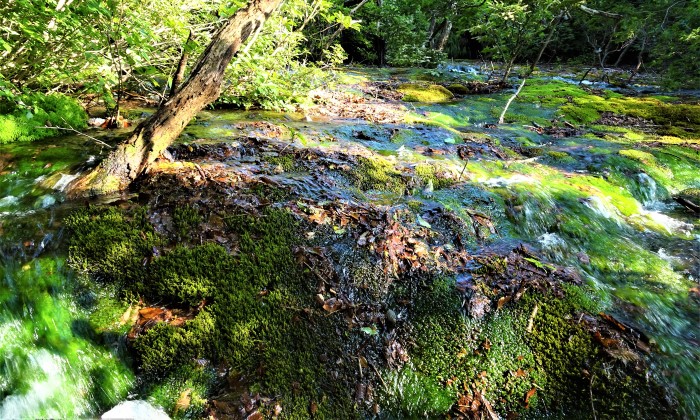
(637, 250)
(52, 363)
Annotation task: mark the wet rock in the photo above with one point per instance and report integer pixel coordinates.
(137, 410)
(478, 306)
(689, 199)
(390, 318)
(583, 258)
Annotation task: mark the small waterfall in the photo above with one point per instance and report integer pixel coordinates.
(63, 182)
(649, 191)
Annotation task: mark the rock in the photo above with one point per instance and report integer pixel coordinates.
(390, 318)
(689, 199)
(583, 258)
(137, 410)
(478, 306)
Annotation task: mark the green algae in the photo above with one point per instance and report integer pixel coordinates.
(53, 350)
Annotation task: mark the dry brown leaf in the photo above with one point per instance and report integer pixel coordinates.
(502, 301)
(529, 395)
(183, 402)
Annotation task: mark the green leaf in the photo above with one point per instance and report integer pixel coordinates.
(370, 330)
(422, 222)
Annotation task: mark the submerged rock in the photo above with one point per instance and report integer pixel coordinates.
(137, 410)
(689, 199)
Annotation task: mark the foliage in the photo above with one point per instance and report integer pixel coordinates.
(26, 117)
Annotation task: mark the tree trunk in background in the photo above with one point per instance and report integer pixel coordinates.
(132, 157)
(380, 42)
(441, 38)
(179, 75)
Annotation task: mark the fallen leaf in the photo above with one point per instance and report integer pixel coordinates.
(422, 222)
(333, 305)
(529, 395)
(183, 402)
(363, 362)
(502, 301)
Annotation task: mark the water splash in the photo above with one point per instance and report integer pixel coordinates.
(63, 182)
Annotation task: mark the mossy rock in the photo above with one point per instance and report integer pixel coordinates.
(430, 173)
(560, 157)
(425, 93)
(458, 89)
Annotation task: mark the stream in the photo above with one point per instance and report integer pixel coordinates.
(631, 243)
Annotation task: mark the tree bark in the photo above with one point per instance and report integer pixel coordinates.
(150, 138)
(441, 41)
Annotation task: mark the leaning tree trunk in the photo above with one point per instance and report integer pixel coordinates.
(150, 138)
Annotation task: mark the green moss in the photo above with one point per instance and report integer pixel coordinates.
(286, 162)
(185, 220)
(111, 245)
(163, 348)
(409, 394)
(428, 172)
(188, 275)
(424, 93)
(377, 174)
(189, 380)
(562, 349)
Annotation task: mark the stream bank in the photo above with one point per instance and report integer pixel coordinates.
(370, 261)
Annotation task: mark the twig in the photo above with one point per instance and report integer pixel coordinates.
(462, 173)
(378, 375)
(531, 321)
(501, 119)
(71, 129)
